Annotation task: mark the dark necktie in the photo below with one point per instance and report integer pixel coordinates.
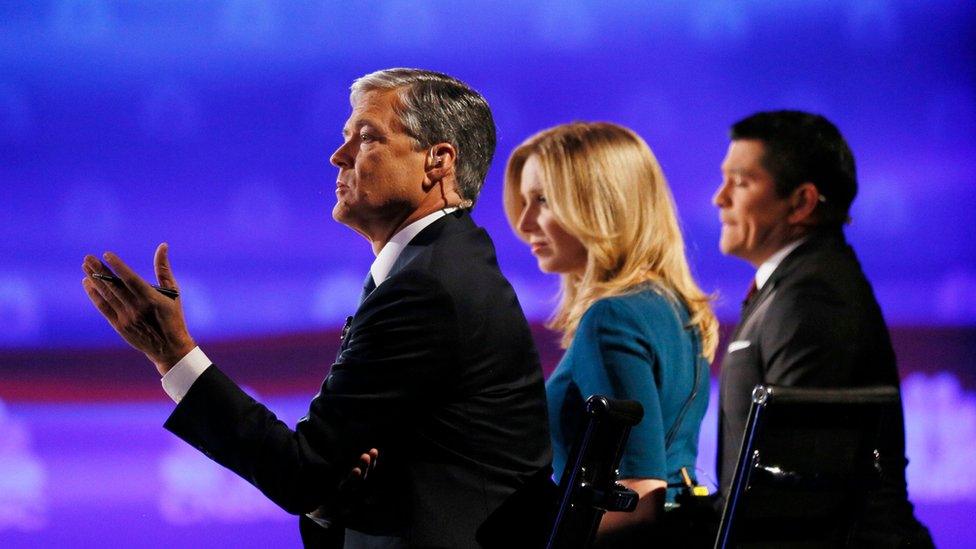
(368, 287)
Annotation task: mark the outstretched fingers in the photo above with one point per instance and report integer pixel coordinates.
(132, 282)
(113, 292)
(164, 273)
(149, 322)
(97, 296)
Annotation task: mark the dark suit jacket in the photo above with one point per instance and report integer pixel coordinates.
(438, 371)
(815, 323)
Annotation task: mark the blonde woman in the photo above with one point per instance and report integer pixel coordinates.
(591, 202)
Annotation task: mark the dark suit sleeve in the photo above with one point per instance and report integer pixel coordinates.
(399, 349)
(805, 336)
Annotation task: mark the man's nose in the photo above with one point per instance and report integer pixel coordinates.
(341, 158)
(719, 199)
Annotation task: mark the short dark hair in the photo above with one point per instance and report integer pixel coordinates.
(802, 147)
(437, 108)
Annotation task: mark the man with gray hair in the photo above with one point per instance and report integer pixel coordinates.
(436, 370)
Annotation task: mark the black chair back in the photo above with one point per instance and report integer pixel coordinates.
(808, 459)
(588, 486)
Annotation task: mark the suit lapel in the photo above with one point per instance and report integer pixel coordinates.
(789, 265)
(453, 222)
(751, 311)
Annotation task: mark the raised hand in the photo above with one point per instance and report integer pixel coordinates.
(146, 319)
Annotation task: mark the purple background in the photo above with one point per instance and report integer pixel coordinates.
(209, 125)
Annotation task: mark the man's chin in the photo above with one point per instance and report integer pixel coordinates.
(724, 248)
(727, 246)
(340, 213)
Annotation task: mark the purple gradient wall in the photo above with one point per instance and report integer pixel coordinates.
(209, 125)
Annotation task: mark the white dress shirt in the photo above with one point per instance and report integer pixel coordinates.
(177, 381)
(766, 269)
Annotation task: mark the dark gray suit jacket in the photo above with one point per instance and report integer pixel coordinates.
(438, 371)
(815, 323)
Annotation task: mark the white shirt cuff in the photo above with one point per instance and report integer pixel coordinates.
(178, 380)
(317, 519)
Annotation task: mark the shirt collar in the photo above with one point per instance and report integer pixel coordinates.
(380, 269)
(766, 269)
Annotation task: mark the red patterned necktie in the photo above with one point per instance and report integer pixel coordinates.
(753, 289)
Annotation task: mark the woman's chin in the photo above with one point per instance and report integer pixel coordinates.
(548, 266)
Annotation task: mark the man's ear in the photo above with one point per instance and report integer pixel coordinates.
(439, 163)
(803, 204)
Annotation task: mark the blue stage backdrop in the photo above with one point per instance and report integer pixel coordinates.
(209, 125)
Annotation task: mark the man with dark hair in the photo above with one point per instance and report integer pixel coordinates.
(810, 318)
(437, 369)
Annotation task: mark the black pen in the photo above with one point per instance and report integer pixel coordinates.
(168, 292)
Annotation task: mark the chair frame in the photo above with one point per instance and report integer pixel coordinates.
(871, 402)
(588, 486)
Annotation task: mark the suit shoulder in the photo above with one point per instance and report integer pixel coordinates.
(831, 260)
(461, 260)
(830, 277)
(827, 298)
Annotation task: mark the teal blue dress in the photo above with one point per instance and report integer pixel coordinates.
(639, 347)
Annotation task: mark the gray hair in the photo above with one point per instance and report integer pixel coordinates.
(437, 108)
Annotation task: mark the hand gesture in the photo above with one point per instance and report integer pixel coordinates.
(145, 318)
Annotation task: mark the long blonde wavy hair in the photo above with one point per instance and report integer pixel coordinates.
(605, 187)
